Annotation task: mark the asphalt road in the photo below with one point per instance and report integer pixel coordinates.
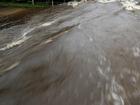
(89, 55)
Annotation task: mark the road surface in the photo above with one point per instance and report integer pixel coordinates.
(88, 55)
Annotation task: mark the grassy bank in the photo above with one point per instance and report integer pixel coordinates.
(24, 5)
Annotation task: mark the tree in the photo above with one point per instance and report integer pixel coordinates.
(52, 3)
(33, 2)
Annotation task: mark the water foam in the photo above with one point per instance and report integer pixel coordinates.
(136, 51)
(130, 5)
(11, 67)
(24, 36)
(73, 4)
(48, 23)
(106, 1)
(14, 43)
(127, 4)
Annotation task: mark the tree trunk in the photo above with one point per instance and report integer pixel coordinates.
(52, 3)
(33, 2)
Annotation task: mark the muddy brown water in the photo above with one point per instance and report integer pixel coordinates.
(88, 55)
(10, 16)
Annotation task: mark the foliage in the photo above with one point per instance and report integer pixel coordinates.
(26, 5)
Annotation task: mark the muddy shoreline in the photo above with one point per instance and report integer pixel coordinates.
(14, 16)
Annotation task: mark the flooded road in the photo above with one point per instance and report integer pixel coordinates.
(88, 55)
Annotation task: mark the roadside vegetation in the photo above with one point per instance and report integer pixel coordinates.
(25, 3)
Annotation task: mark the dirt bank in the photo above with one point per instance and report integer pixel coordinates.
(13, 16)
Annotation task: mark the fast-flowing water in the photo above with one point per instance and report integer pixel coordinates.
(87, 55)
(127, 4)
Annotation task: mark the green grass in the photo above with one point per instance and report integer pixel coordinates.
(26, 5)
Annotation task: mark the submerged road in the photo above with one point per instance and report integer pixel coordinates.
(89, 55)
